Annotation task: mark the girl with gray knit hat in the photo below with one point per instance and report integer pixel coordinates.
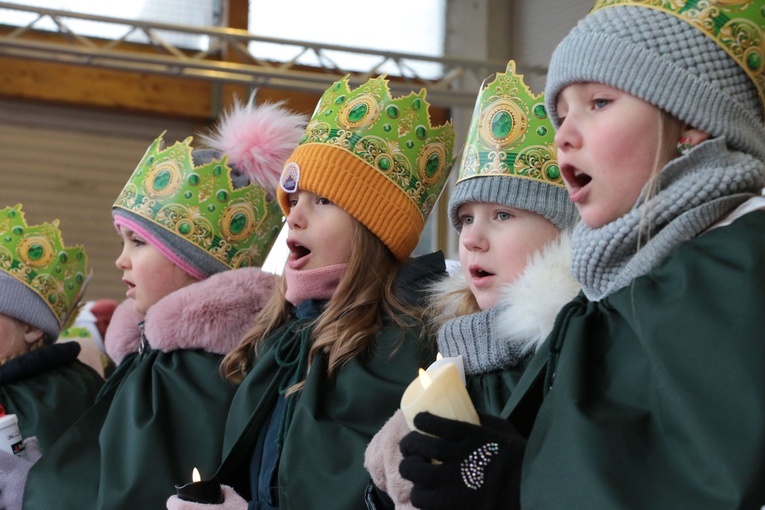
(514, 218)
(651, 392)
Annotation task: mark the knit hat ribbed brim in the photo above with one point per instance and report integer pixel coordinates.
(547, 200)
(367, 195)
(22, 303)
(667, 62)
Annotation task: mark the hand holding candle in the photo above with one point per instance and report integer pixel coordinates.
(198, 491)
(441, 391)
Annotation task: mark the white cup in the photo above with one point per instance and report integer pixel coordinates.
(10, 436)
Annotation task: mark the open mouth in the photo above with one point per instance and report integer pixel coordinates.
(477, 272)
(575, 178)
(297, 250)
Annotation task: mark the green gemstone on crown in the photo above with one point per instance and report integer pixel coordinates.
(162, 180)
(63, 257)
(211, 208)
(12, 213)
(188, 194)
(36, 251)
(58, 270)
(384, 164)
(417, 103)
(194, 179)
(510, 134)
(17, 230)
(409, 144)
(150, 160)
(222, 196)
(754, 61)
(358, 112)
(340, 100)
(52, 299)
(184, 228)
(431, 167)
(8, 239)
(501, 124)
(217, 170)
(79, 278)
(421, 132)
(238, 222)
(387, 128)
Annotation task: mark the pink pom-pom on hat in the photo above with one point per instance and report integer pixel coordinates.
(258, 139)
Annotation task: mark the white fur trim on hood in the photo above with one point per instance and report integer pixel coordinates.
(529, 305)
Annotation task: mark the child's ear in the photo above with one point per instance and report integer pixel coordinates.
(32, 334)
(693, 136)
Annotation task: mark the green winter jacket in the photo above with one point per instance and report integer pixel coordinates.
(654, 397)
(333, 420)
(163, 411)
(48, 389)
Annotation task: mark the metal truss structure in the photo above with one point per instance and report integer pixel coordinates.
(228, 57)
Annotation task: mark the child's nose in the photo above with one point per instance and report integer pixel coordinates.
(567, 136)
(296, 216)
(474, 239)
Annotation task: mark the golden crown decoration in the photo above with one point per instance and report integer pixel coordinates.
(737, 26)
(392, 135)
(510, 133)
(36, 256)
(199, 204)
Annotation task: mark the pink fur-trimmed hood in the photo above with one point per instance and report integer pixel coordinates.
(212, 314)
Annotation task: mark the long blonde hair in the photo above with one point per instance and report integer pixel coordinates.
(347, 325)
(665, 125)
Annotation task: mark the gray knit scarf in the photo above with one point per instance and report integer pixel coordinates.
(695, 191)
(474, 336)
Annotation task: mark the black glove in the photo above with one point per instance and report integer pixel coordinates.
(478, 467)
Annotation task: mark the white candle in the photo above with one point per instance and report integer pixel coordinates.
(440, 391)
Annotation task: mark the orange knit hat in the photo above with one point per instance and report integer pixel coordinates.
(377, 158)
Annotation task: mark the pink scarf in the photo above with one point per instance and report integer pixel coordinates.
(318, 283)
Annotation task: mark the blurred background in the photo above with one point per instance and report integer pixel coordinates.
(86, 85)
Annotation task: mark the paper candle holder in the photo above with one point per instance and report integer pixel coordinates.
(439, 391)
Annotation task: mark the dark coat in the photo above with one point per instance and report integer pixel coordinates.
(332, 420)
(162, 413)
(48, 389)
(654, 397)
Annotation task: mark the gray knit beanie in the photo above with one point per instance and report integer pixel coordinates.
(666, 61)
(547, 200)
(22, 303)
(510, 157)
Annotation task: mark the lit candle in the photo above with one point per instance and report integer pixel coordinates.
(441, 391)
(199, 491)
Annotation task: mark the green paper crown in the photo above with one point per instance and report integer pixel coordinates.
(392, 135)
(737, 26)
(510, 133)
(36, 256)
(199, 204)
